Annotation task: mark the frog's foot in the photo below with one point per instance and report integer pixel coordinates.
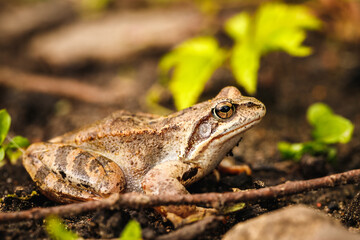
(70, 174)
(229, 166)
(168, 179)
(181, 215)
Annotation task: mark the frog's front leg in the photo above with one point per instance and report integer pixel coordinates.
(168, 179)
(69, 174)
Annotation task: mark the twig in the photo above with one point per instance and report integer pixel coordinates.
(194, 230)
(65, 87)
(137, 200)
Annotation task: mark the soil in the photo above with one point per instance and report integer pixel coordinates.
(287, 86)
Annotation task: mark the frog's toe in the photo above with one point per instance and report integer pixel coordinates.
(182, 215)
(67, 174)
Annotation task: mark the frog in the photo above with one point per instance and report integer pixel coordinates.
(143, 153)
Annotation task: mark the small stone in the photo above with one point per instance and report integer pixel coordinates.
(351, 217)
(333, 206)
(296, 222)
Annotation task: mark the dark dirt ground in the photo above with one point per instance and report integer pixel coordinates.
(287, 86)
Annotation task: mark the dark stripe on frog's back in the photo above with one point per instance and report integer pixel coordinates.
(61, 154)
(80, 163)
(41, 173)
(100, 161)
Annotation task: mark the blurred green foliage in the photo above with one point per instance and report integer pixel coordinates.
(132, 231)
(328, 128)
(94, 6)
(11, 149)
(193, 63)
(57, 230)
(274, 27)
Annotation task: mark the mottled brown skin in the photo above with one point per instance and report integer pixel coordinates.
(142, 152)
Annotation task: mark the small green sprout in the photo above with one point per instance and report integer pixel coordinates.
(57, 230)
(25, 198)
(11, 149)
(132, 231)
(328, 128)
(231, 208)
(274, 27)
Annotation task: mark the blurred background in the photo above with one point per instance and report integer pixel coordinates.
(66, 63)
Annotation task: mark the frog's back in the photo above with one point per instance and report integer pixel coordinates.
(120, 123)
(125, 138)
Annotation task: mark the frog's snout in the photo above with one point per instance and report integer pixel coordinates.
(255, 106)
(263, 110)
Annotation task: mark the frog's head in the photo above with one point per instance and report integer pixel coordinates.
(218, 125)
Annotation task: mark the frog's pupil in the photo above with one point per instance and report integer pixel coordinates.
(225, 109)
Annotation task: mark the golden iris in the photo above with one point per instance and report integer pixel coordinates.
(223, 110)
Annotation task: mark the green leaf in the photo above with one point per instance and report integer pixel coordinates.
(280, 26)
(316, 111)
(275, 27)
(238, 26)
(13, 155)
(57, 231)
(5, 122)
(12, 149)
(2, 153)
(291, 150)
(329, 127)
(296, 150)
(18, 142)
(290, 42)
(193, 63)
(333, 129)
(132, 231)
(245, 63)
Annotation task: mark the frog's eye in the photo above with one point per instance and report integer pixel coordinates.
(223, 110)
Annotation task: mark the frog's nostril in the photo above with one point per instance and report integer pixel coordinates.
(250, 104)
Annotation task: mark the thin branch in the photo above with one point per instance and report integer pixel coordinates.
(64, 87)
(137, 200)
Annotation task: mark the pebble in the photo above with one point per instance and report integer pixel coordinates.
(295, 222)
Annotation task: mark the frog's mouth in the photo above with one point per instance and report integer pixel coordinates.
(238, 130)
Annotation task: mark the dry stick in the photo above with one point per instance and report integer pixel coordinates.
(66, 87)
(137, 200)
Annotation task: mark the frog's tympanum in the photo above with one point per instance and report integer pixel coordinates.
(143, 153)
